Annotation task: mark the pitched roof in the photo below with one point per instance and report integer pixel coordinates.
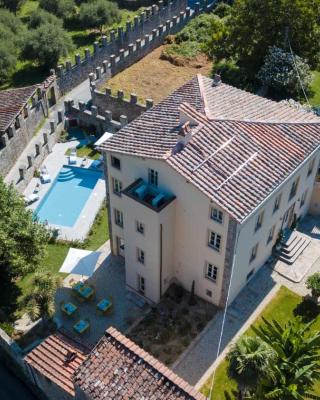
(268, 140)
(11, 103)
(118, 369)
(238, 164)
(50, 359)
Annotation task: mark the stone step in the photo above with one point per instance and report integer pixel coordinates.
(293, 245)
(292, 239)
(294, 257)
(293, 251)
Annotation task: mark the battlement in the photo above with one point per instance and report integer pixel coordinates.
(146, 32)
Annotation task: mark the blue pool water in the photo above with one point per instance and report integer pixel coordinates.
(67, 196)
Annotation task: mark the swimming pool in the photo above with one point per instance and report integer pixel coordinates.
(67, 196)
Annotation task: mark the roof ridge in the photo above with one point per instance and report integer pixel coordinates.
(154, 363)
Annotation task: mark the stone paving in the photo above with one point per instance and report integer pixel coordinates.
(240, 315)
(109, 282)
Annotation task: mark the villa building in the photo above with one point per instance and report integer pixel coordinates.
(201, 185)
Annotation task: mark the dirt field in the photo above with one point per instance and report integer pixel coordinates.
(154, 78)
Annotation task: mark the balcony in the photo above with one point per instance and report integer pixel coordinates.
(148, 195)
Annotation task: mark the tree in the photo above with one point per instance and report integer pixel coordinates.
(22, 239)
(12, 5)
(96, 14)
(8, 61)
(250, 359)
(46, 44)
(297, 364)
(279, 72)
(40, 17)
(61, 8)
(11, 23)
(313, 283)
(255, 25)
(40, 299)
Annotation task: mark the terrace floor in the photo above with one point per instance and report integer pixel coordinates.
(109, 282)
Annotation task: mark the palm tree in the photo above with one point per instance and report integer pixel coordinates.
(250, 359)
(297, 366)
(40, 298)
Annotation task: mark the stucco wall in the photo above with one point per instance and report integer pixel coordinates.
(247, 235)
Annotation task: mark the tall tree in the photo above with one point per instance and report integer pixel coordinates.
(255, 25)
(46, 44)
(12, 5)
(98, 13)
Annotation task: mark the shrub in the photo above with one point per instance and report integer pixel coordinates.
(313, 283)
(7, 327)
(222, 10)
(40, 17)
(61, 8)
(98, 13)
(181, 54)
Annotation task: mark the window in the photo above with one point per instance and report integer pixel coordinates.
(115, 162)
(211, 272)
(209, 293)
(140, 227)
(277, 203)
(117, 186)
(250, 274)
(259, 221)
(303, 198)
(153, 177)
(310, 169)
(254, 252)
(294, 188)
(140, 256)
(118, 217)
(216, 215)
(214, 240)
(271, 234)
(141, 284)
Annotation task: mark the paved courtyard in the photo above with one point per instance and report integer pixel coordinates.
(109, 282)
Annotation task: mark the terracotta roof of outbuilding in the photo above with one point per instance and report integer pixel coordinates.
(11, 103)
(49, 358)
(119, 369)
(268, 140)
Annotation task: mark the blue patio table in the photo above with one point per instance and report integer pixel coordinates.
(104, 305)
(69, 308)
(81, 326)
(86, 292)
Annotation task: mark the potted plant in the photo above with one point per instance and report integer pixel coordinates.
(313, 283)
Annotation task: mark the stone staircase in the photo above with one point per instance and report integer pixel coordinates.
(293, 247)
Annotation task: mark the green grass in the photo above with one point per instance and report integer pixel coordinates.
(99, 232)
(315, 87)
(283, 307)
(85, 151)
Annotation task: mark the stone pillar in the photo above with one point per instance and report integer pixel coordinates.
(22, 172)
(60, 116)
(121, 54)
(82, 106)
(120, 94)
(154, 9)
(77, 59)
(197, 8)
(112, 36)
(146, 39)
(113, 61)
(148, 12)
(68, 65)
(11, 131)
(108, 115)
(98, 73)
(174, 20)
(136, 22)
(181, 16)
(4, 140)
(138, 44)
(128, 26)
(149, 103)
(52, 71)
(133, 98)
(168, 26)
(93, 86)
(160, 5)
(87, 54)
(45, 138)
(154, 34)
(37, 148)
(95, 47)
(108, 91)
(30, 160)
(91, 77)
(160, 28)
(130, 47)
(60, 70)
(52, 126)
(188, 12)
(123, 120)
(104, 41)
(105, 65)
(94, 111)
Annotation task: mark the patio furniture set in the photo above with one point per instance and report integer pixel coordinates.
(82, 293)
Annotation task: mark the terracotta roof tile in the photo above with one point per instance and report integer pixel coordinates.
(119, 369)
(11, 103)
(49, 358)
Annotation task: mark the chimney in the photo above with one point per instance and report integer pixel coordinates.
(217, 80)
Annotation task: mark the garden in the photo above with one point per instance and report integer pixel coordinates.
(171, 325)
(285, 307)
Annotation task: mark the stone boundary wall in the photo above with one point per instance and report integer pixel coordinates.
(118, 105)
(40, 148)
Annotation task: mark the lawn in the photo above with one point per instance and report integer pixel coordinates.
(315, 87)
(155, 78)
(85, 151)
(56, 252)
(284, 306)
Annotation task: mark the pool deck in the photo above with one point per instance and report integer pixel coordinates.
(54, 162)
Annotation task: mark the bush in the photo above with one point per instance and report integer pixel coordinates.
(222, 10)
(8, 59)
(197, 30)
(40, 17)
(181, 54)
(61, 8)
(231, 73)
(98, 13)
(7, 327)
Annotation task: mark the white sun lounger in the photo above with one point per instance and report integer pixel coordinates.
(73, 157)
(31, 198)
(45, 178)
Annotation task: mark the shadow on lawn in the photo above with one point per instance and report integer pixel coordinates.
(308, 310)
(9, 293)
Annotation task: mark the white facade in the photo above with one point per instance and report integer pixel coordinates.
(174, 241)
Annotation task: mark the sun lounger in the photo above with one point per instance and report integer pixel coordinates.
(31, 198)
(96, 163)
(45, 178)
(73, 157)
